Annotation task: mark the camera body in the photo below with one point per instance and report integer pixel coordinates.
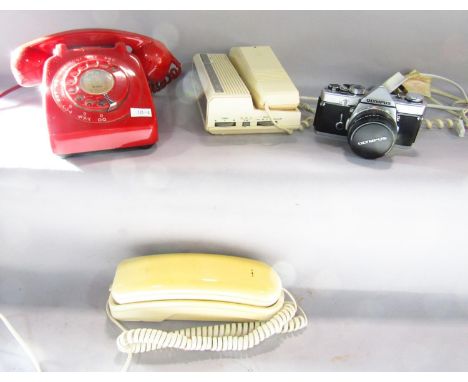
(373, 120)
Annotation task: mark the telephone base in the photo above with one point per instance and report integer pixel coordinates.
(293, 117)
(239, 131)
(227, 106)
(82, 142)
(131, 148)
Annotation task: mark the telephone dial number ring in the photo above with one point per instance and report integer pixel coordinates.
(91, 89)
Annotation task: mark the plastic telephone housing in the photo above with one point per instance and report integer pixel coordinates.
(97, 86)
(193, 286)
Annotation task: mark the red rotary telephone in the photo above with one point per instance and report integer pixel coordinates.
(96, 93)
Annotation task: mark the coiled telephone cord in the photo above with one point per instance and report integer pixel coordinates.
(173, 73)
(441, 122)
(9, 90)
(222, 337)
(306, 122)
(303, 107)
(276, 124)
(458, 108)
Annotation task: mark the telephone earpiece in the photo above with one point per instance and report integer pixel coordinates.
(159, 64)
(27, 64)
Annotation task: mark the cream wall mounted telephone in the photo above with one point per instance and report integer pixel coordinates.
(247, 91)
(200, 287)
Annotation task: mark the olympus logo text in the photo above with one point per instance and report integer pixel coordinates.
(379, 139)
(377, 102)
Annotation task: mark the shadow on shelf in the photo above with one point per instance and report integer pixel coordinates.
(89, 290)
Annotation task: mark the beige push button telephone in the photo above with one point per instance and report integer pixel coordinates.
(208, 287)
(247, 91)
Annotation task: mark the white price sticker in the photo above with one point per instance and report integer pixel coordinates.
(138, 112)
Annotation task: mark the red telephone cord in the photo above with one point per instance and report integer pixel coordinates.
(9, 90)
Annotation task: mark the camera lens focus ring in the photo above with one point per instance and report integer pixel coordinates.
(372, 134)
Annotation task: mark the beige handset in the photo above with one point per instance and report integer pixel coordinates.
(247, 91)
(194, 286)
(265, 77)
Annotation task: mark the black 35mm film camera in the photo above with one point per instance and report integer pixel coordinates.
(373, 120)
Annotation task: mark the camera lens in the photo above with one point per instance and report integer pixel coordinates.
(372, 134)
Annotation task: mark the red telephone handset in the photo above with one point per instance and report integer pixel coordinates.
(96, 92)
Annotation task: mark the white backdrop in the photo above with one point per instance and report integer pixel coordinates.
(379, 244)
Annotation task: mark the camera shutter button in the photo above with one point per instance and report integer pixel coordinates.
(344, 88)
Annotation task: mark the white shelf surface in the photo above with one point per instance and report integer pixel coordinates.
(375, 251)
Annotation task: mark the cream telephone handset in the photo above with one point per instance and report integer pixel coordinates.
(247, 91)
(192, 286)
(265, 77)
